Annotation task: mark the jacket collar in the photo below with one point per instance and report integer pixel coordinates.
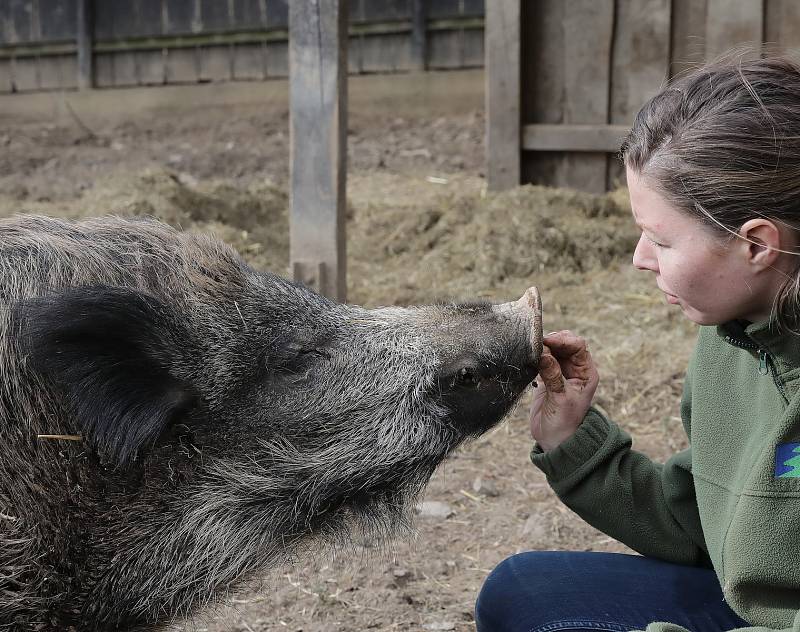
(783, 348)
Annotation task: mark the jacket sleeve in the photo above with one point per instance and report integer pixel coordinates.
(650, 507)
(671, 627)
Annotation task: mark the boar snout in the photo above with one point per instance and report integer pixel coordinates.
(527, 312)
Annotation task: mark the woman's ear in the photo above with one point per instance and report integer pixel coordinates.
(763, 242)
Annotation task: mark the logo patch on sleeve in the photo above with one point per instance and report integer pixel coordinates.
(787, 460)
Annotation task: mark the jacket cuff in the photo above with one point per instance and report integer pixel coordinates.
(565, 458)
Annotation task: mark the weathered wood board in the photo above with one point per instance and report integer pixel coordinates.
(503, 94)
(595, 63)
(318, 133)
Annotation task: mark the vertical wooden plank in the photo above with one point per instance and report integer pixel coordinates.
(36, 22)
(782, 25)
(248, 61)
(355, 46)
(180, 15)
(26, 74)
(21, 19)
(318, 143)
(181, 65)
(215, 63)
(473, 48)
(444, 49)
(104, 70)
(151, 66)
(85, 28)
(6, 82)
(640, 63)
(152, 18)
(731, 24)
(419, 35)
(126, 69)
(277, 59)
(215, 15)
(688, 35)
(385, 10)
(445, 8)
(57, 20)
(588, 33)
(474, 7)
(51, 72)
(542, 71)
(104, 18)
(68, 65)
(8, 30)
(278, 13)
(384, 53)
(503, 94)
(197, 17)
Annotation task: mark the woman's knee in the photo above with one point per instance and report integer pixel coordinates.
(508, 588)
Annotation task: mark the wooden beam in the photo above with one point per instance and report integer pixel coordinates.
(200, 38)
(318, 143)
(85, 32)
(502, 37)
(591, 138)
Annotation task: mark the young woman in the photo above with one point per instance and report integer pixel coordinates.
(713, 169)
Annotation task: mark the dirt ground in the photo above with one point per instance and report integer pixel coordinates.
(421, 227)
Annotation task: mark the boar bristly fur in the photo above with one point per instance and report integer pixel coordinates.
(174, 423)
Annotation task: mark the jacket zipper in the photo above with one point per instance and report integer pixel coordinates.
(766, 366)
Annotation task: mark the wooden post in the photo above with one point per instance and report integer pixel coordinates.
(85, 31)
(318, 143)
(419, 35)
(502, 94)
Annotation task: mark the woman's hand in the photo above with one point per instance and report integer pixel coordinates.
(564, 390)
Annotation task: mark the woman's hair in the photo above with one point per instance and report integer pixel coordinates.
(723, 145)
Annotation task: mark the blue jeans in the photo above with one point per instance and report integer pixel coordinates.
(548, 591)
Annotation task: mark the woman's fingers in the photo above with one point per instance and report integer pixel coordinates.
(550, 372)
(572, 353)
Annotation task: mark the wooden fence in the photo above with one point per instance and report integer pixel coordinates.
(565, 78)
(153, 42)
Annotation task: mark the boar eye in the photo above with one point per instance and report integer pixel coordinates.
(304, 351)
(466, 377)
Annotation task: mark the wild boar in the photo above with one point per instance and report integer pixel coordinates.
(174, 422)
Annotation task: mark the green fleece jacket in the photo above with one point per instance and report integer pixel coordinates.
(732, 499)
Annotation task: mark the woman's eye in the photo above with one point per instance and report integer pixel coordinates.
(653, 242)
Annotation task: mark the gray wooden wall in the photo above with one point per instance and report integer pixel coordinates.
(587, 66)
(151, 42)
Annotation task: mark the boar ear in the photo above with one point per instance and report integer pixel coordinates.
(110, 351)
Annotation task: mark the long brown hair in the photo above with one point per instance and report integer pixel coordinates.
(722, 144)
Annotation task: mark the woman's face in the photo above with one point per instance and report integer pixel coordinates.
(709, 279)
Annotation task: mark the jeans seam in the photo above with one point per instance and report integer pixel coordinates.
(581, 624)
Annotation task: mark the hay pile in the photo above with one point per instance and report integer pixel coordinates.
(451, 241)
(254, 219)
(464, 243)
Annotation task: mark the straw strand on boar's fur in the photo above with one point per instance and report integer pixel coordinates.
(229, 419)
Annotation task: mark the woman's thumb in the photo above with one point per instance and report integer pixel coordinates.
(550, 372)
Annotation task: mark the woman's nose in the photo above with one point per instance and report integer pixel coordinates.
(644, 256)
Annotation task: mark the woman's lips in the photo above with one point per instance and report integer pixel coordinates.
(672, 300)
